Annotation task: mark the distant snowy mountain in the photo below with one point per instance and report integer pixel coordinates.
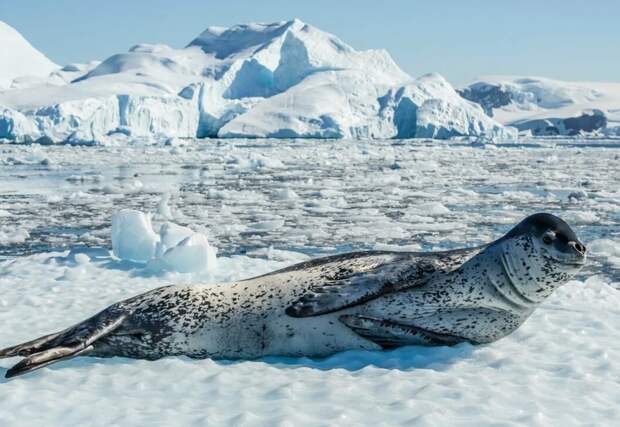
(281, 80)
(19, 59)
(549, 107)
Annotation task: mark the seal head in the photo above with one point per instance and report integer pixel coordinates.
(553, 238)
(539, 254)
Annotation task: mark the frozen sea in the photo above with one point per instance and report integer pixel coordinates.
(266, 204)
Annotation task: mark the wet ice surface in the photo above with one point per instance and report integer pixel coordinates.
(268, 204)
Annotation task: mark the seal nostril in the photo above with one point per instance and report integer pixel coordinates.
(578, 247)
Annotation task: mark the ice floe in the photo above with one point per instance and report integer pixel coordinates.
(564, 353)
(442, 195)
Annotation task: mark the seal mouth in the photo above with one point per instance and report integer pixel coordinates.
(575, 263)
(578, 262)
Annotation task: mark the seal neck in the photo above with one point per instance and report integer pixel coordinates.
(511, 278)
(531, 275)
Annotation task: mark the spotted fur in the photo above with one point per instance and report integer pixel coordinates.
(361, 300)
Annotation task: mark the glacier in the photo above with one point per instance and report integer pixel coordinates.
(281, 80)
(545, 107)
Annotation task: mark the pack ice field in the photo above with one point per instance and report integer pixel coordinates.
(266, 204)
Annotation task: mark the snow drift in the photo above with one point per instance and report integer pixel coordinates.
(281, 80)
(549, 107)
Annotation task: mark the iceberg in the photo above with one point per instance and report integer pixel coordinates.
(15, 126)
(543, 107)
(430, 107)
(281, 80)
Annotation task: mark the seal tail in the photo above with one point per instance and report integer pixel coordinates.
(75, 341)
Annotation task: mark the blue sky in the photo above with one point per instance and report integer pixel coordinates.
(568, 39)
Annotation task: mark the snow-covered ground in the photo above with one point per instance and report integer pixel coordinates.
(266, 204)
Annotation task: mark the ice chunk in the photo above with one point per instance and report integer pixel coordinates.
(183, 250)
(577, 195)
(434, 209)
(606, 248)
(256, 161)
(170, 235)
(175, 248)
(192, 254)
(279, 255)
(585, 217)
(10, 236)
(82, 259)
(286, 194)
(73, 274)
(163, 208)
(133, 238)
(53, 198)
(268, 225)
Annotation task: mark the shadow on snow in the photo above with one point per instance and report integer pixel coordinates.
(404, 359)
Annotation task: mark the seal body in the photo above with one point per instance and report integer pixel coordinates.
(248, 319)
(363, 300)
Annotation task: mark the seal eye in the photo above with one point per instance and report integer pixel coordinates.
(548, 238)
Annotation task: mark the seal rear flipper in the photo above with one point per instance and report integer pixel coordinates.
(75, 341)
(47, 357)
(30, 347)
(390, 334)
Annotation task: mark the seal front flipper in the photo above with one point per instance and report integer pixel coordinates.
(390, 334)
(339, 293)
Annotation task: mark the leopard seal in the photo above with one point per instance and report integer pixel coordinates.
(360, 300)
